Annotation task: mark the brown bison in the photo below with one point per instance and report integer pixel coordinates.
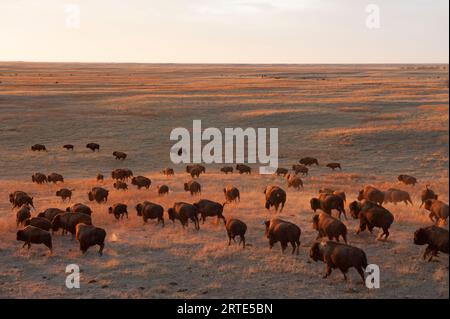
(308, 161)
(39, 178)
(50, 213)
(39, 222)
(227, 169)
(393, 195)
(427, 193)
(209, 208)
(168, 171)
(99, 194)
(79, 208)
(231, 194)
(438, 210)
(275, 196)
(150, 210)
(88, 236)
(294, 181)
(118, 210)
(330, 191)
(193, 187)
(372, 194)
(183, 212)
(435, 237)
(121, 174)
(340, 256)
(163, 189)
(100, 177)
(34, 235)
(328, 226)
(372, 215)
(201, 168)
(333, 166)
(93, 147)
(22, 215)
(407, 180)
(236, 227)
(278, 230)
(328, 202)
(300, 168)
(68, 221)
(243, 169)
(68, 147)
(20, 198)
(54, 178)
(38, 147)
(281, 171)
(64, 193)
(119, 155)
(141, 181)
(195, 171)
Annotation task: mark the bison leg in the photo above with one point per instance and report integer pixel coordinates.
(242, 239)
(361, 273)
(283, 247)
(100, 251)
(344, 236)
(328, 271)
(294, 246)
(229, 239)
(427, 252)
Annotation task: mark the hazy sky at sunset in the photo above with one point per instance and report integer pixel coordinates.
(229, 31)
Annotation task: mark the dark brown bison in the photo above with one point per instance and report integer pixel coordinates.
(68, 221)
(209, 208)
(79, 208)
(119, 185)
(64, 193)
(54, 178)
(281, 171)
(308, 161)
(163, 189)
(122, 174)
(39, 222)
(427, 193)
(407, 180)
(168, 171)
(39, 178)
(149, 210)
(193, 187)
(243, 169)
(340, 256)
(236, 227)
(201, 168)
(294, 181)
(328, 226)
(141, 181)
(183, 212)
(93, 147)
(278, 230)
(195, 172)
(38, 147)
(372, 194)
(20, 198)
(275, 196)
(435, 237)
(50, 213)
(333, 166)
(118, 210)
(393, 195)
(227, 169)
(231, 194)
(99, 194)
(328, 202)
(119, 155)
(100, 177)
(88, 236)
(34, 235)
(372, 215)
(68, 147)
(330, 191)
(22, 215)
(438, 210)
(300, 169)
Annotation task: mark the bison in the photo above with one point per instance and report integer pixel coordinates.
(308, 161)
(118, 210)
(163, 189)
(236, 227)
(294, 181)
(22, 215)
(435, 237)
(79, 208)
(38, 147)
(231, 194)
(372, 215)
(34, 235)
(54, 178)
(407, 180)
(243, 169)
(119, 155)
(328, 202)
(333, 166)
(209, 208)
(438, 210)
(193, 187)
(275, 196)
(88, 236)
(149, 210)
(393, 195)
(68, 147)
(93, 147)
(68, 221)
(99, 194)
(282, 231)
(372, 194)
(328, 226)
(39, 178)
(64, 193)
(227, 169)
(183, 212)
(427, 193)
(141, 181)
(39, 222)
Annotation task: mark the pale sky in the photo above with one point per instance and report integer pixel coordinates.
(224, 31)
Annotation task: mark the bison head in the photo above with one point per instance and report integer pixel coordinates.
(355, 209)
(171, 214)
(420, 237)
(361, 195)
(315, 204)
(91, 196)
(315, 252)
(139, 209)
(20, 235)
(316, 222)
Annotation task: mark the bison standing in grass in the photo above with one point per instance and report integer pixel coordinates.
(372, 194)
(275, 196)
(34, 235)
(184, 212)
(231, 194)
(438, 210)
(371, 215)
(89, 235)
(236, 227)
(278, 230)
(149, 210)
(435, 237)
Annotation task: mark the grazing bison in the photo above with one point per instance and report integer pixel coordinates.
(34, 235)
(227, 169)
(149, 210)
(393, 195)
(333, 166)
(22, 215)
(50, 213)
(88, 236)
(193, 187)
(39, 222)
(281, 171)
(119, 155)
(141, 181)
(118, 210)
(300, 168)
(308, 161)
(427, 193)
(121, 174)
(243, 169)
(68, 221)
(68, 147)
(328, 226)
(99, 194)
(278, 230)
(163, 189)
(438, 210)
(371, 215)
(195, 171)
(372, 194)
(120, 185)
(20, 198)
(100, 177)
(93, 147)
(329, 191)
(183, 212)
(79, 208)
(209, 208)
(236, 227)
(54, 178)
(231, 194)
(38, 147)
(407, 180)
(340, 256)
(275, 196)
(294, 181)
(39, 178)
(201, 168)
(328, 202)
(64, 193)
(168, 171)
(435, 237)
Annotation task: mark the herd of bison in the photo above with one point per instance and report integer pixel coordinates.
(368, 209)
